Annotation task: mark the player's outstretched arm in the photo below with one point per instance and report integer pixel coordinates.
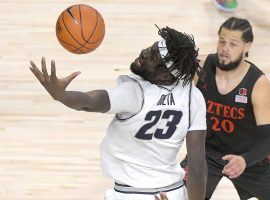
(197, 167)
(93, 101)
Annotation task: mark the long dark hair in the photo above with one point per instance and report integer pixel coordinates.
(183, 52)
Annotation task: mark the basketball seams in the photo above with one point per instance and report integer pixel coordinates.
(76, 48)
(81, 45)
(80, 42)
(81, 24)
(62, 17)
(87, 41)
(94, 28)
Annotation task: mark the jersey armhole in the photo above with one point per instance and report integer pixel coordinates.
(126, 116)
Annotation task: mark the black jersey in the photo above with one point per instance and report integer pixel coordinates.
(230, 118)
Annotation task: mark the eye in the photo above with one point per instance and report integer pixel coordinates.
(142, 54)
(221, 42)
(233, 45)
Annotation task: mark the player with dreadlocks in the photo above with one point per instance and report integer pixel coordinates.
(155, 109)
(184, 62)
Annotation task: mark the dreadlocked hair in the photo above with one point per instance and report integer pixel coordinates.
(183, 52)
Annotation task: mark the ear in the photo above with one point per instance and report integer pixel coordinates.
(247, 47)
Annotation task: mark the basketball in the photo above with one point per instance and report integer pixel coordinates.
(80, 29)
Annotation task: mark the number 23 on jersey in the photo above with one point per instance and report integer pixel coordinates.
(153, 117)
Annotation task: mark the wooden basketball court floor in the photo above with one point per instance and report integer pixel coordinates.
(50, 152)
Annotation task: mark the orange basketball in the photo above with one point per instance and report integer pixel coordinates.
(80, 29)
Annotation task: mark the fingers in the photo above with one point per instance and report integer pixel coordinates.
(233, 172)
(229, 167)
(37, 72)
(162, 196)
(53, 70)
(43, 76)
(227, 157)
(44, 69)
(228, 170)
(71, 77)
(235, 167)
(232, 176)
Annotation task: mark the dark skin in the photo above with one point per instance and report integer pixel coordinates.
(98, 100)
(151, 67)
(93, 101)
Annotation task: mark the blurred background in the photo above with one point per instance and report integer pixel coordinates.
(50, 152)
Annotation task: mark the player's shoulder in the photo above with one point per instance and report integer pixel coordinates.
(130, 83)
(262, 86)
(132, 78)
(263, 80)
(196, 93)
(202, 58)
(197, 97)
(128, 77)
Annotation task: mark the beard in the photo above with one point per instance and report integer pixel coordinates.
(231, 65)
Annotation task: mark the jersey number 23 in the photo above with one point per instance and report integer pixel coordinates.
(154, 117)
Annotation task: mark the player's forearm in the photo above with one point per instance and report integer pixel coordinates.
(196, 183)
(75, 100)
(261, 148)
(94, 101)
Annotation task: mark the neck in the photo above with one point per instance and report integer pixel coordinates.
(226, 81)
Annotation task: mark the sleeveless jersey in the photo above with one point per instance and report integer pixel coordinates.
(141, 150)
(231, 125)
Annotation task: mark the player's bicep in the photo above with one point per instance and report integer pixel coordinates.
(260, 101)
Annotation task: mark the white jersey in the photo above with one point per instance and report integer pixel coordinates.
(140, 149)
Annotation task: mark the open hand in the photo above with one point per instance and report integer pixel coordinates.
(55, 87)
(235, 166)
